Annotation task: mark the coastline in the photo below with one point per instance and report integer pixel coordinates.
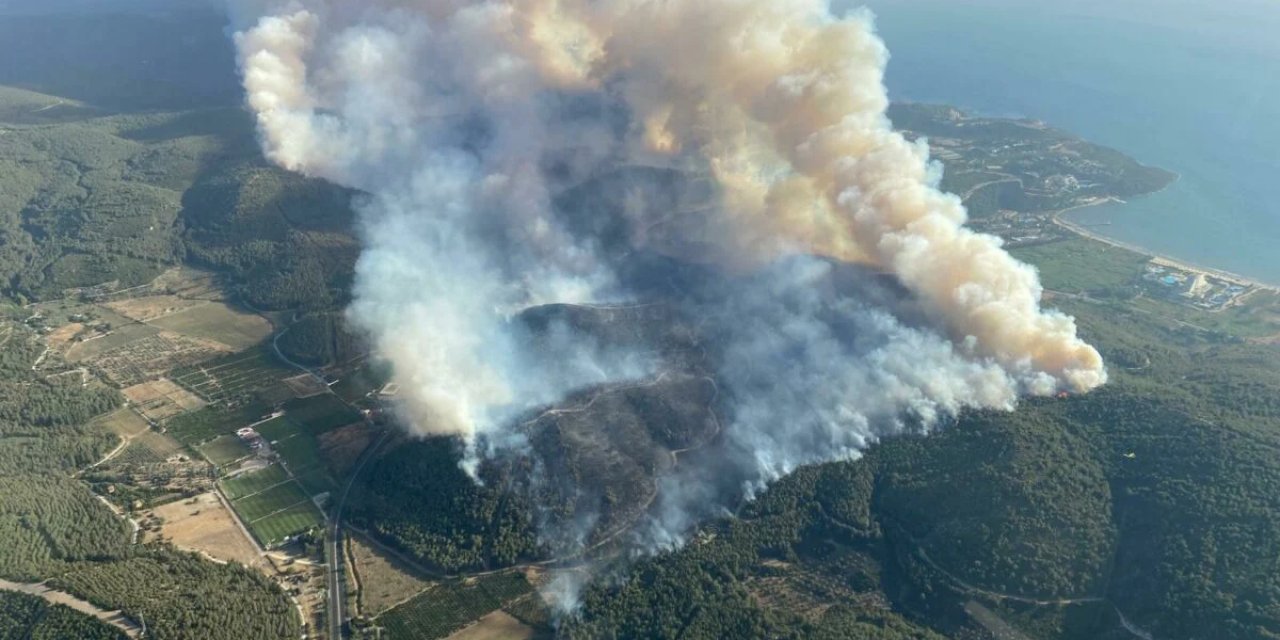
(1158, 258)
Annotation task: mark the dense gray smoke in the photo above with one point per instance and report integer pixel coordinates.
(462, 120)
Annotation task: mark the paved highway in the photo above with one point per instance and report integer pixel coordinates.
(333, 544)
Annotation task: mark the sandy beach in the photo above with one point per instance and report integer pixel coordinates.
(1164, 260)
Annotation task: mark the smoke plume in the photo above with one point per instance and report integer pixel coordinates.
(463, 121)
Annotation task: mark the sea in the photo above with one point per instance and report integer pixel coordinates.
(1190, 86)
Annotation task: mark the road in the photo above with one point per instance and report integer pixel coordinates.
(333, 544)
(1125, 623)
(113, 618)
(333, 532)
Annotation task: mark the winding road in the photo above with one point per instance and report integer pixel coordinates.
(1128, 625)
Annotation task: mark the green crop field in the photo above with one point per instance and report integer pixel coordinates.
(265, 503)
(275, 528)
(210, 422)
(234, 377)
(320, 413)
(136, 453)
(254, 482)
(355, 384)
(277, 429)
(225, 450)
(437, 613)
(147, 448)
(160, 444)
(317, 481)
(123, 422)
(300, 452)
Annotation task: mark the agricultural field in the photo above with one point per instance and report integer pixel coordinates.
(236, 378)
(137, 453)
(498, 625)
(62, 337)
(160, 400)
(300, 452)
(252, 482)
(273, 529)
(220, 322)
(210, 422)
(204, 525)
(157, 446)
(121, 336)
(320, 413)
(225, 450)
(305, 385)
(316, 482)
(272, 504)
(142, 446)
(264, 503)
(188, 283)
(384, 581)
(124, 423)
(277, 428)
(447, 608)
(341, 448)
(151, 356)
(357, 383)
(152, 307)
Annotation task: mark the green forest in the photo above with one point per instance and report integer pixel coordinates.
(53, 527)
(24, 617)
(182, 595)
(417, 498)
(1156, 498)
(98, 190)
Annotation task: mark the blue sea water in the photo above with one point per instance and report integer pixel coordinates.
(1191, 86)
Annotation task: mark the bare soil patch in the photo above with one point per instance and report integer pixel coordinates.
(202, 524)
(162, 399)
(384, 580)
(189, 283)
(148, 308)
(219, 322)
(62, 337)
(342, 447)
(498, 625)
(305, 385)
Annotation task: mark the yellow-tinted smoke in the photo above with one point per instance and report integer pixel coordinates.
(784, 103)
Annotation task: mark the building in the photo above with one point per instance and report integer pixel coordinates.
(249, 436)
(1197, 286)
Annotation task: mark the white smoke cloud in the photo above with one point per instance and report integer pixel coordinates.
(462, 119)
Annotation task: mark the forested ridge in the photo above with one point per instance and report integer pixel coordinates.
(1157, 496)
(116, 199)
(419, 499)
(1154, 497)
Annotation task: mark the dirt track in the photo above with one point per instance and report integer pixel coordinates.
(113, 618)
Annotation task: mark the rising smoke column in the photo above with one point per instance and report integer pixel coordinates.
(444, 127)
(461, 119)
